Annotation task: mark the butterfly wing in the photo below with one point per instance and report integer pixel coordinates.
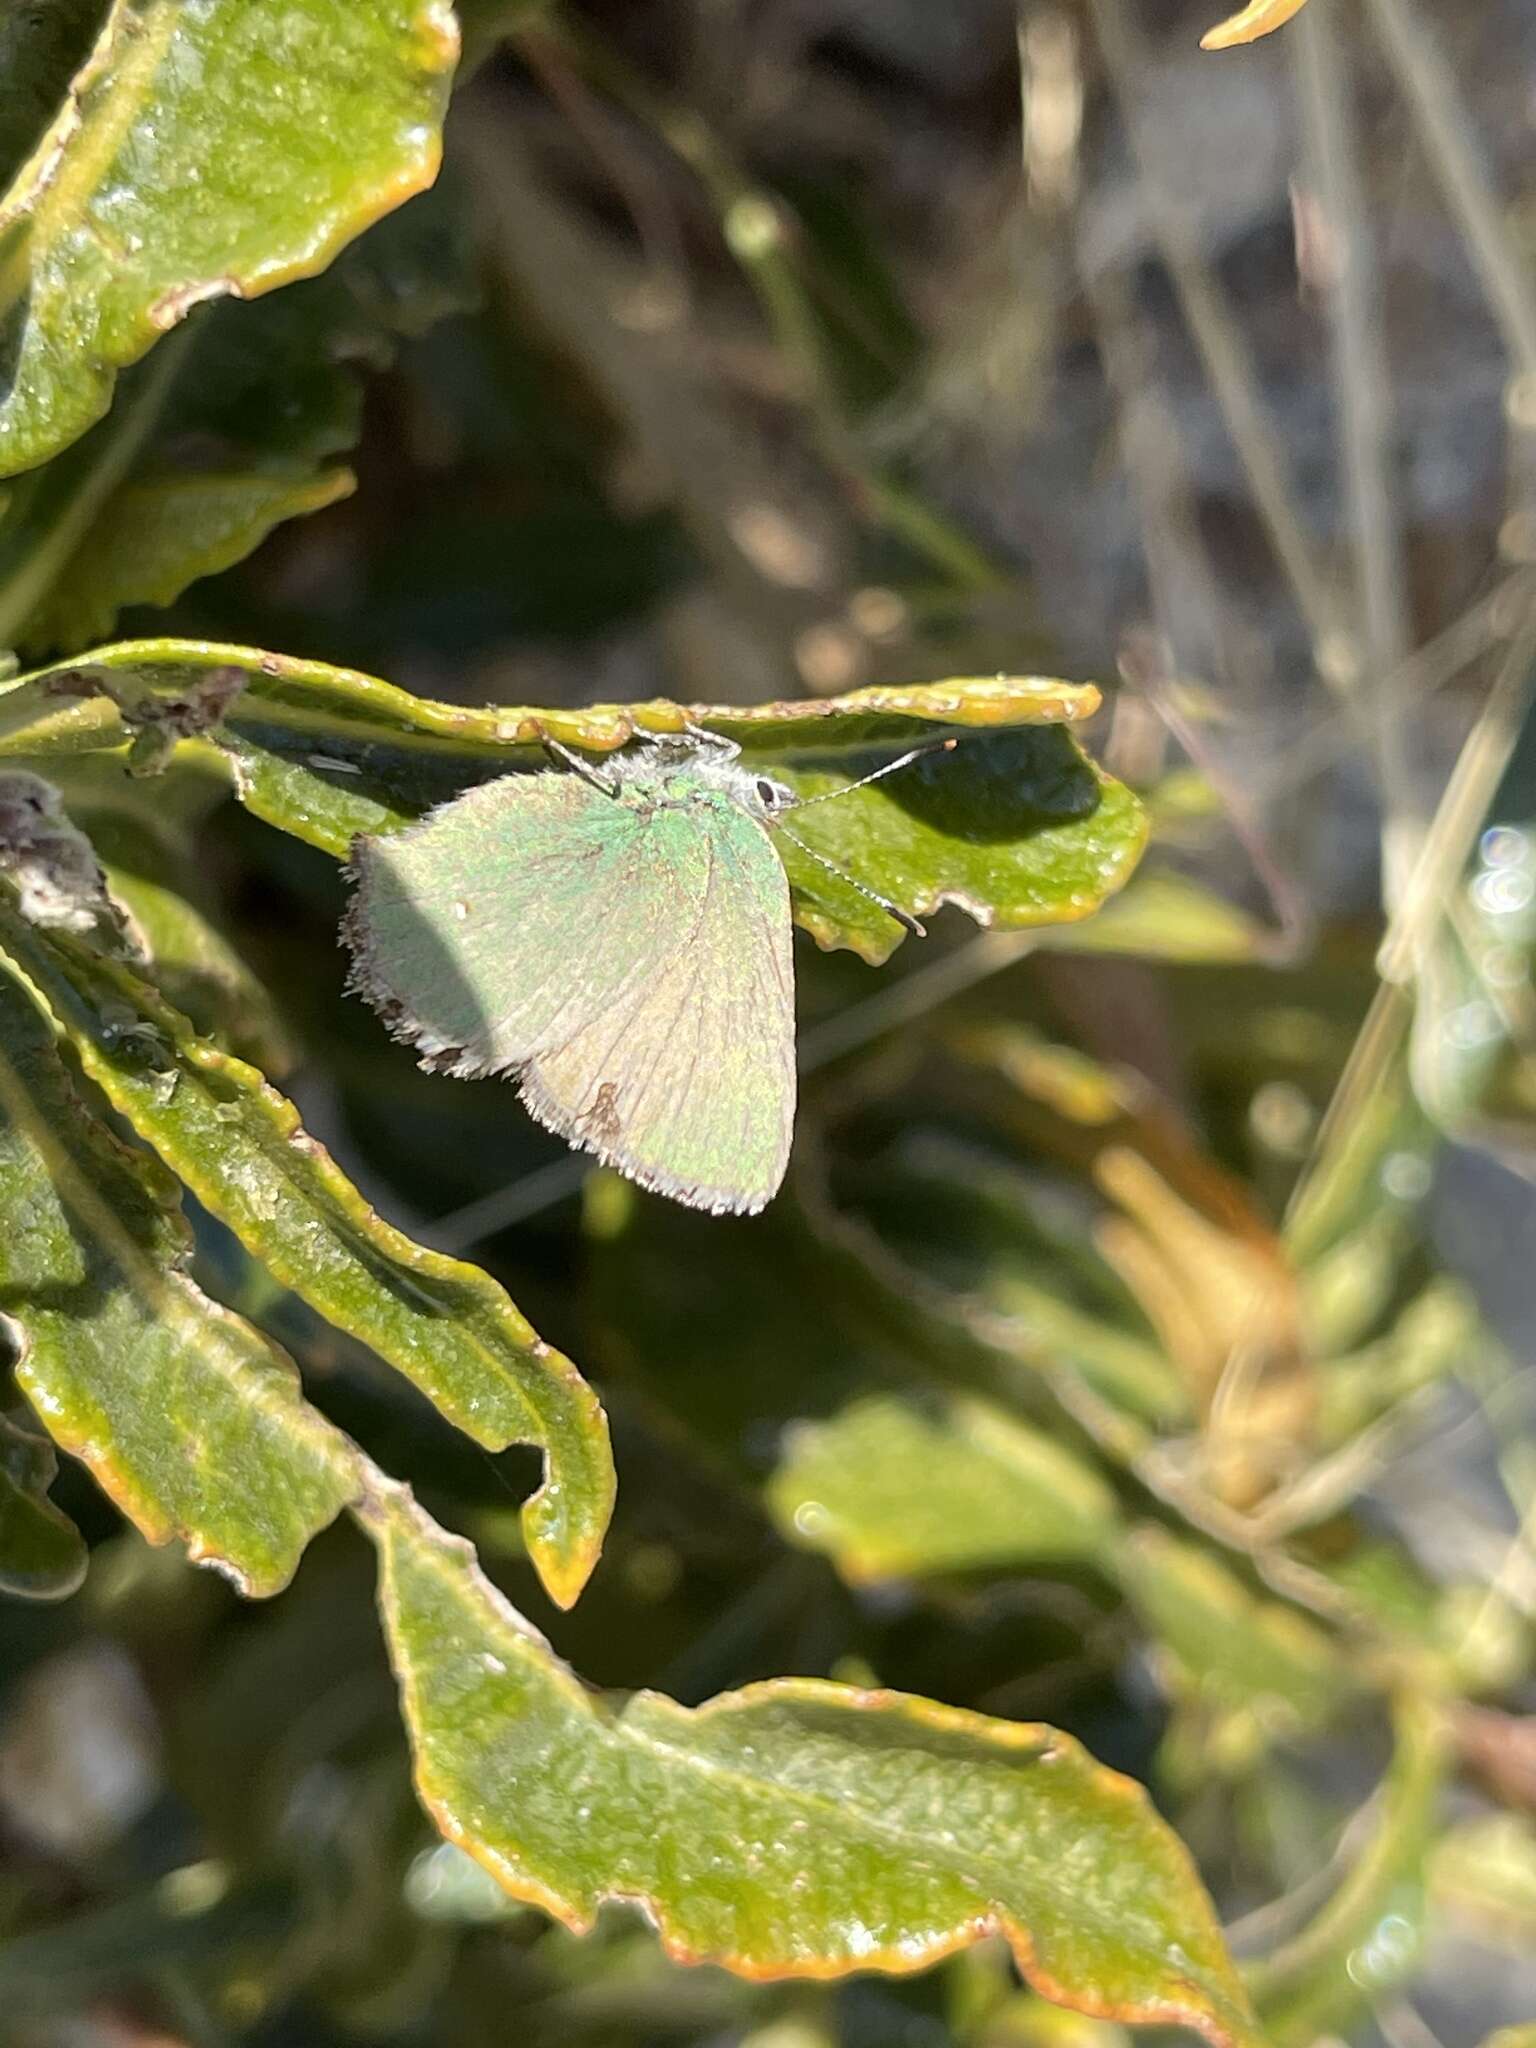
(632, 965)
(688, 1083)
(480, 930)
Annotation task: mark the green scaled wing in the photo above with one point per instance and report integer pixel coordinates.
(631, 964)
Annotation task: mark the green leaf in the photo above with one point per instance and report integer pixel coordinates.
(239, 1147)
(249, 415)
(1019, 830)
(147, 196)
(796, 1828)
(159, 534)
(889, 1491)
(291, 705)
(47, 515)
(1232, 1648)
(188, 1418)
(42, 1556)
(1165, 916)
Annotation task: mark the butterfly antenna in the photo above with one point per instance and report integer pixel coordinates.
(891, 909)
(877, 775)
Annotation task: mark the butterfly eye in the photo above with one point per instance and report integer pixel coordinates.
(768, 793)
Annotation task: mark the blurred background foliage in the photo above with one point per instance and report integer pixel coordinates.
(1143, 1343)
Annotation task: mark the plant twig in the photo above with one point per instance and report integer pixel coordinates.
(1217, 337)
(1364, 413)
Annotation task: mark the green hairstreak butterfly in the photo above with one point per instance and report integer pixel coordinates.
(616, 937)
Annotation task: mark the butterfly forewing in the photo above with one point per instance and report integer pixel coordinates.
(631, 963)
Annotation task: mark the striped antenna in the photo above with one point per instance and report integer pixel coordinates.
(878, 774)
(902, 917)
(891, 909)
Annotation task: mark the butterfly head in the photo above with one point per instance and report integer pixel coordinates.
(769, 799)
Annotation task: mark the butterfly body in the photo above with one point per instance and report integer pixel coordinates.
(616, 937)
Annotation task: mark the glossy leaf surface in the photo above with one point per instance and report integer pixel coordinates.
(141, 200)
(238, 1145)
(186, 1416)
(1018, 829)
(795, 1828)
(233, 426)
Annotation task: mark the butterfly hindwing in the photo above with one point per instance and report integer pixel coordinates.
(688, 1084)
(630, 963)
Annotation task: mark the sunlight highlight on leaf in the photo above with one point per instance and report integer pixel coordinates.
(1262, 18)
(795, 1828)
(1016, 826)
(140, 202)
(189, 1418)
(238, 1145)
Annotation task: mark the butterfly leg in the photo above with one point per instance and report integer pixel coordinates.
(727, 749)
(583, 768)
(700, 735)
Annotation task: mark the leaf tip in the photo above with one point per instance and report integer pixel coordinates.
(1261, 18)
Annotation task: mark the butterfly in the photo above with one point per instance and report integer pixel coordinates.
(615, 936)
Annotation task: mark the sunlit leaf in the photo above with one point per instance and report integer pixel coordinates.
(1021, 830)
(795, 1828)
(235, 427)
(189, 1418)
(1165, 916)
(1262, 18)
(1017, 829)
(294, 702)
(239, 1146)
(143, 198)
(889, 1491)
